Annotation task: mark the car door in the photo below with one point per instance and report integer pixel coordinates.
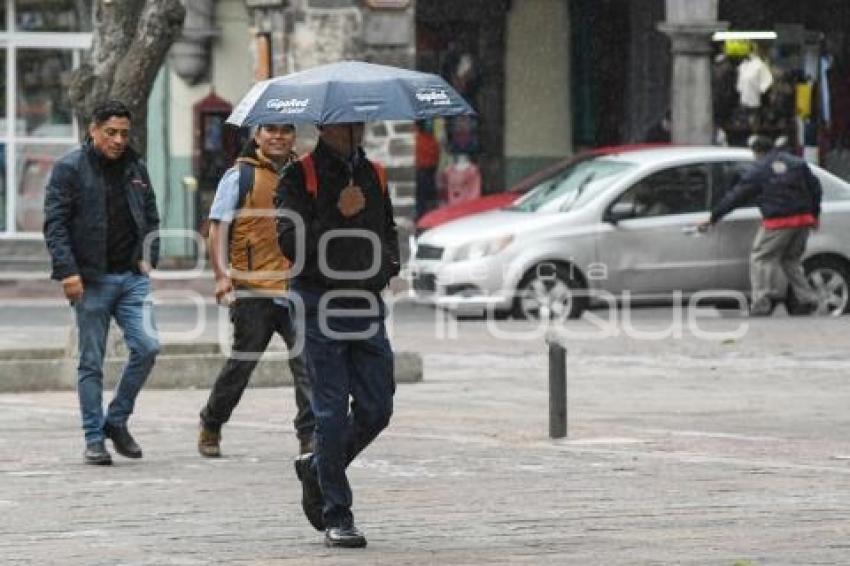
(649, 244)
(735, 233)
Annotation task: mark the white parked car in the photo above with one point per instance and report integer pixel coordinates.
(624, 222)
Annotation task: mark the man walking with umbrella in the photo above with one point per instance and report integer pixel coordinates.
(336, 226)
(350, 255)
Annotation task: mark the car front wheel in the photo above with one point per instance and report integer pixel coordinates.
(550, 291)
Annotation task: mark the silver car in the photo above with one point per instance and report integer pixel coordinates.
(616, 225)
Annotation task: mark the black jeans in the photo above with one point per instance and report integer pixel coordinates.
(255, 320)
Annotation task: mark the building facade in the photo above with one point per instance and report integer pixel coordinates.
(547, 77)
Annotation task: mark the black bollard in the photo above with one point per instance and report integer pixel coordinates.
(557, 390)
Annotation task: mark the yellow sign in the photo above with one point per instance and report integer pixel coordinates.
(736, 47)
(803, 96)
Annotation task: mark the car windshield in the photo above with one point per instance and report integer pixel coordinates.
(568, 186)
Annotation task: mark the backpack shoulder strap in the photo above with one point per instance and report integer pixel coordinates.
(246, 183)
(381, 172)
(311, 182)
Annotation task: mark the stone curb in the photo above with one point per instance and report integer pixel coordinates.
(178, 366)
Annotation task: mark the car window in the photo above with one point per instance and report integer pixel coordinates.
(679, 190)
(726, 175)
(564, 188)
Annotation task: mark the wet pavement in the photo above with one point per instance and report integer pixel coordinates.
(682, 449)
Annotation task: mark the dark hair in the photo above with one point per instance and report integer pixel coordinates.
(249, 149)
(108, 109)
(760, 144)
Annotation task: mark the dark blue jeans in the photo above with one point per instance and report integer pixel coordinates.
(355, 369)
(125, 297)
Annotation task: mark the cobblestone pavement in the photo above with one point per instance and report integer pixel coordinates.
(681, 451)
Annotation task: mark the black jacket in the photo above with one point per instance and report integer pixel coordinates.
(75, 215)
(782, 184)
(346, 253)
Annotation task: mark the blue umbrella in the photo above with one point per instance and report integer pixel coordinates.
(348, 91)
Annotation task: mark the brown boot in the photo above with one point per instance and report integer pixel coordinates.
(208, 443)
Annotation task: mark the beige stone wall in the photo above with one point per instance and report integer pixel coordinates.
(232, 73)
(538, 114)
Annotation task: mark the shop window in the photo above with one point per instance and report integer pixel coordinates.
(52, 15)
(43, 107)
(680, 190)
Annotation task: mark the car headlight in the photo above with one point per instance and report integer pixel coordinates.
(481, 248)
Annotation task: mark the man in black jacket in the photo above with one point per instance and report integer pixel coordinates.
(336, 226)
(100, 224)
(788, 195)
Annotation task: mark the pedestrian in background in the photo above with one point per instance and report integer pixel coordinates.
(427, 160)
(789, 197)
(336, 189)
(243, 235)
(100, 229)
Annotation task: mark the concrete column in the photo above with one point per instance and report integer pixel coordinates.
(689, 25)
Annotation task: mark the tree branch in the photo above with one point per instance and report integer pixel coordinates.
(131, 39)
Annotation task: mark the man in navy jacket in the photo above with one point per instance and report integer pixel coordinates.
(788, 195)
(100, 227)
(347, 245)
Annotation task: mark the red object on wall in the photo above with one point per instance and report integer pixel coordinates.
(214, 149)
(213, 143)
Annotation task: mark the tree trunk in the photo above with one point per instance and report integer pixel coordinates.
(131, 40)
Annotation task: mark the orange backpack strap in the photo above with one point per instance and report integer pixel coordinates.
(381, 172)
(311, 182)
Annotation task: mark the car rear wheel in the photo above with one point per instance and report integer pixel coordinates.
(830, 279)
(550, 291)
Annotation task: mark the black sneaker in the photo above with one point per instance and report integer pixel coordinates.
(312, 501)
(97, 454)
(345, 536)
(122, 441)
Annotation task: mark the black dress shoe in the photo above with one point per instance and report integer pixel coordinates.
(802, 309)
(345, 536)
(312, 501)
(122, 441)
(96, 454)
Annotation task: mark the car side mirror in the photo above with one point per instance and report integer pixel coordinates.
(619, 211)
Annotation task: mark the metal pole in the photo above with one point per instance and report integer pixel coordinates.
(557, 390)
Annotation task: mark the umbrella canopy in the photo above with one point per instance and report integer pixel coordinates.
(348, 91)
